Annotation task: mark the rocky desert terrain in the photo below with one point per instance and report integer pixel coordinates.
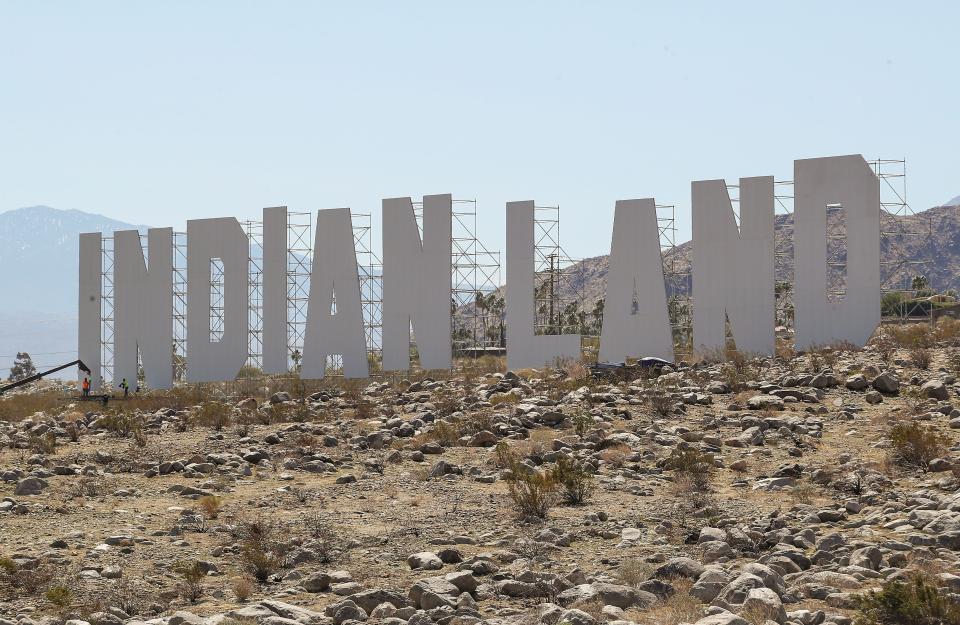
(805, 489)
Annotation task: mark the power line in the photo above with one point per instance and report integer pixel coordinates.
(32, 354)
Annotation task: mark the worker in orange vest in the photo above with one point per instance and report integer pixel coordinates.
(86, 387)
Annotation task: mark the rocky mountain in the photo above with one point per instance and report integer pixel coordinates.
(926, 243)
(38, 249)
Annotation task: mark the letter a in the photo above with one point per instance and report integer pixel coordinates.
(635, 319)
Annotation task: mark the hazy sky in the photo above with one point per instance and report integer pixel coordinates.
(156, 112)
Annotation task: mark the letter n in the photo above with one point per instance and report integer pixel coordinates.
(733, 269)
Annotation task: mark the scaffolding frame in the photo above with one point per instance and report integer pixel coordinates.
(299, 261)
(558, 280)
(477, 321)
(254, 232)
(676, 279)
(179, 306)
(106, 310)
(899, 225)
(370, 274)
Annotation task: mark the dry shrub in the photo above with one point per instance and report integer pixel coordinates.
(24, 580)
(504, 399)
(616, 455)
(210, 506)
(60, 596)
(593, 607)
(216, 415)
(920, 357)
(758, 614)
(734, 380)
(885, 345)
(326, 540)
(634, 571)
(120, 423)
(784, 352)
(680, 607)
(692, 471)
(262, 550)
(738, 360)
(243, 588)
(947, 329)
(660, 402)
(444, 433)
(913, 445)
(803, 493)
(911, 335)
(18, 406)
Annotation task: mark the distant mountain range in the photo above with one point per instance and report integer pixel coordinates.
(925, 243)
(38, 257)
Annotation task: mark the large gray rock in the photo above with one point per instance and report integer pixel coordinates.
(680, 567)
(886, 382)
(735, 593)
(577, 617)
(30, 486)
(935, 389)
(316, 582)
(709, 584)
(611, 594)
(370, 599)
(723, 618)
(857, 382)
(867, 557)
(434, 585)
(763, 601)
(425, 560)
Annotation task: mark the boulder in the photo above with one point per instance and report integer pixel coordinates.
(935, 389)
(765, 602)
(887, 383)
(425, 560)
(30, 486)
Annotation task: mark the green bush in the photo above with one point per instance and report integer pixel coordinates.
(576, 482)
(259, 562)
(914, 602)
(191, 575)
(60, 596)
(691, 465)
(533, 493)
(913, 445)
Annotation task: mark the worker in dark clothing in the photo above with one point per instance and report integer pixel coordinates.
(126, 388)
(86, 388)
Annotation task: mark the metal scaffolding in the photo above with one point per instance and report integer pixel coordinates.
(676, 278)
(558, 288)
(106, 310)
(905, 278)
(477, 309)
(179, 306)
(254, 232)
(370, 273)
(476, 304)
(216, 300)
(299, 261)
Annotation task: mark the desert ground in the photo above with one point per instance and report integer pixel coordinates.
(802, 489)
